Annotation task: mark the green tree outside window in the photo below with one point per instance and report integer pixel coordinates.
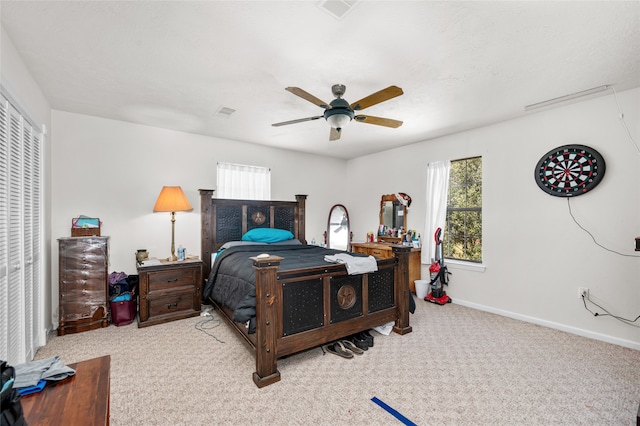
(462, 238)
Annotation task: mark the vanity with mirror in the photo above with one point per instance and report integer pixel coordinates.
(393, 217)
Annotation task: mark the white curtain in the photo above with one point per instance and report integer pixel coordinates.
(436, 211)
(243, 182)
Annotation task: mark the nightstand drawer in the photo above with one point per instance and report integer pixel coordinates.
(172, 304)
(161, 281)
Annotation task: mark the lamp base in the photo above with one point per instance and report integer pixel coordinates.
(173, 239)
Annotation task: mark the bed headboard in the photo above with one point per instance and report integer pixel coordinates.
(224, 220)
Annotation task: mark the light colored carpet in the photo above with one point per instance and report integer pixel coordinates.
(459, 366)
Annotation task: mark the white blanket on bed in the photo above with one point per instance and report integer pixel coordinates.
(355, 265)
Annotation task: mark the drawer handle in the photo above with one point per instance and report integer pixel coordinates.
(172, 305)
(172, 281)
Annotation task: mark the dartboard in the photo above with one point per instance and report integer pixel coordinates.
(570, 170)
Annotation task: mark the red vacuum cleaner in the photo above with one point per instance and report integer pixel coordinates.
(439, 275)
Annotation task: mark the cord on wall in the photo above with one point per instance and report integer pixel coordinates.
(608, 314)
(591, 235)
(624, 123)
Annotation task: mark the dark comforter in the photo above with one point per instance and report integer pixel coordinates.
(232, 279)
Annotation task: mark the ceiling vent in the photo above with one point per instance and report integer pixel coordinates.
(225, 112)
(337, 8)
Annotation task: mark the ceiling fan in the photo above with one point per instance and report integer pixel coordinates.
(339, 112)
(342, 224)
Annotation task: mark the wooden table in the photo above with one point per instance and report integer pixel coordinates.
(80, 400)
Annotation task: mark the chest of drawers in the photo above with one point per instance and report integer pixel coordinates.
(83, 284)
(169, 291)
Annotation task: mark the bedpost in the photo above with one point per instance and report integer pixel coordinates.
(206, 229)
(301, 199)
(267, 326)
(402, 289)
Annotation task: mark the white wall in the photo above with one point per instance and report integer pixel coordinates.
(535, 255)
(115, 170)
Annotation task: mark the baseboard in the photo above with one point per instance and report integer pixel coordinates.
(573, 330)
(41, 339)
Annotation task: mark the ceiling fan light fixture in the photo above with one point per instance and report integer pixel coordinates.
(339, 119)
(339, 115)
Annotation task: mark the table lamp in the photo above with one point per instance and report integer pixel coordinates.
(172, 199)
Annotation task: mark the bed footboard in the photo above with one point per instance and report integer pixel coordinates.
(272, 343)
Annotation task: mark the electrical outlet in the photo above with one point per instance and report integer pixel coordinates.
(583, 292)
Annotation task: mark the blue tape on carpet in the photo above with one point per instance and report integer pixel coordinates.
(393, 412)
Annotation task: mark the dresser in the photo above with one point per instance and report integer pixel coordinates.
(83, 284)
(384, 250)
(169, 290)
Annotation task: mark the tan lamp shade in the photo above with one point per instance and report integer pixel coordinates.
(172, 199)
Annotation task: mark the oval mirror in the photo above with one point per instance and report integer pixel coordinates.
(338, 230)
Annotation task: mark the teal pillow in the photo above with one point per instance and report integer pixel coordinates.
(267, 235)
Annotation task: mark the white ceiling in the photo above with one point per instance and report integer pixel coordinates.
(461, 65)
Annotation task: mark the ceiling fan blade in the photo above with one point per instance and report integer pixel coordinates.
(370, 119)
(334, 134)
(376, 98)
(299, 120)
(308, 96)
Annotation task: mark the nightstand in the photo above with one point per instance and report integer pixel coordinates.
(169, 291)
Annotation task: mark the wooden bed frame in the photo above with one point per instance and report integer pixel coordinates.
(304, 308)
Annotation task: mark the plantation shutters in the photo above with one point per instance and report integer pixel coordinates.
(21, 298)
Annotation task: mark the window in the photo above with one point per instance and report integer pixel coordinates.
(462, 238)
(243, 182)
